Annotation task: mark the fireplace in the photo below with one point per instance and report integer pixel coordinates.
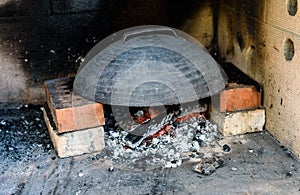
(154, 83)
(48, 41)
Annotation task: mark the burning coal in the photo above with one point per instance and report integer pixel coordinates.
(168, 141)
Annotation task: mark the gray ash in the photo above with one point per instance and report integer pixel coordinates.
(22, 131)
(189, 136)
(24, 138)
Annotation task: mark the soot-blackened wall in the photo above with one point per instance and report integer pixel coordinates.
(46, 39)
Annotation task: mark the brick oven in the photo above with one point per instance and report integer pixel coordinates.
(43, 46)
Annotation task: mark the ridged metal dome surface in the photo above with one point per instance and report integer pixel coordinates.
(148, 66)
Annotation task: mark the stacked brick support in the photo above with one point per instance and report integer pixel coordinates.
(74, 123)
(236, 110)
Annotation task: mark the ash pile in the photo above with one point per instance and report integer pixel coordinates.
(181, 134)
(22, 134)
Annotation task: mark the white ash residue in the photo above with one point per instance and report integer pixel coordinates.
(189, 139)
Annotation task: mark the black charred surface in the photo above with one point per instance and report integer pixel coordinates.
(72, 6)
(15, 8)
(253, 9)
(49, 38)
(237, 76)
(245, 18)
(240, 40)
(181, 11)
(214, 47)
(243, 25)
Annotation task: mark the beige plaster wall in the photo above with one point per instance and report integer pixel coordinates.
(253, 36)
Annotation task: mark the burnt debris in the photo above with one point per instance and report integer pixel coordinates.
(208, 165)
(23, 131)
(165, 141)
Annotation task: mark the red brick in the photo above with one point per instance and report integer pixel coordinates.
(71, 112)
(239, 97)
(75, 142)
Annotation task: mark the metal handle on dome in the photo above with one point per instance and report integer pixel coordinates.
(166, 31)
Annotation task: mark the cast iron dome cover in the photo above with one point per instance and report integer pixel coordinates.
(148, 66)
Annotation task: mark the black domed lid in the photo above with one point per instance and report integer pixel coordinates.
(148, 66)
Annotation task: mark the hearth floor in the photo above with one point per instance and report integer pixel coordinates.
(256, 164)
